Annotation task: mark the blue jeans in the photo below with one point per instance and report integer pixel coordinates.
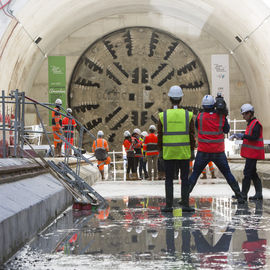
(220, 160)
(142, 166)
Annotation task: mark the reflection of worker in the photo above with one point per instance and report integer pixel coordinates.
(252, 149)
(56, 127)
(176, 140)
(211, 169)
(254, 248)
(69, 125)
(100, 148)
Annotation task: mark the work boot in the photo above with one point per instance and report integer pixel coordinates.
(204, 176)
(102, 174)
(128, 177)
(258, 189)
(141, 177)
(166, 209)
(135, 176)
(241, 198)
(146, 175)
(245, 187)
(185, 200)
(213, 175)
(169, 198)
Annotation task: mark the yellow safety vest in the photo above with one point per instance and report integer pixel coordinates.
(176, 141)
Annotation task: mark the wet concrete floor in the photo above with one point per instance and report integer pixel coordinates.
(132, 233)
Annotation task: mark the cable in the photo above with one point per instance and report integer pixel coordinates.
(2, 6)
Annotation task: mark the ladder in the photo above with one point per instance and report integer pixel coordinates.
(77, 183)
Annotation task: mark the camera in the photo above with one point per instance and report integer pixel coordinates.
(220, 105)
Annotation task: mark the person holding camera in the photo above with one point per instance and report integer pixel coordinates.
(176, 140)
(211, 125)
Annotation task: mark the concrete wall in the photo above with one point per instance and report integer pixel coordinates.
(27, 206)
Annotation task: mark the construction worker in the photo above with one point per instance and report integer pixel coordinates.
(142, 161)
(176, 140)
(100, 148)
(252, 150)
(56, 127)
(151, 149)
(137, 145)
(68, 126)
(130, 154)
(211, 169)
(211, 128)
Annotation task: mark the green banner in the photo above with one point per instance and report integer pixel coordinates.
(57, 80)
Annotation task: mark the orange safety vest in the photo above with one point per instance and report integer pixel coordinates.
(56, 119)
(100, 148)
(129, 148)
(137, 145)
(68, 125)
(151, 145)
(253, 149)
(210, 132)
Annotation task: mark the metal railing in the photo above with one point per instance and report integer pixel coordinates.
(233, 123)
(13, 127)
(115, 161)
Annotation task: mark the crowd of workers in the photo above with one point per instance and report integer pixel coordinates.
(173, 148)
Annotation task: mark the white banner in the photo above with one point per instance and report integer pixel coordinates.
(220, 76)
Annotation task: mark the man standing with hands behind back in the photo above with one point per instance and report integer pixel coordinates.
(176, 140)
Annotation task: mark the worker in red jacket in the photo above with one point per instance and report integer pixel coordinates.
(137, 145)
(128, 145)
(57, 127)
(252, 149)
(151, 150)
(68, 126)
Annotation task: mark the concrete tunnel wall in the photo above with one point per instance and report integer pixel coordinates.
(208, 27)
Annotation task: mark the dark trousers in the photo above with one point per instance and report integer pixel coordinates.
(130, 167)
(202, 159)
(170, 167)
(142, 166)
(136, 162)
(250, 173)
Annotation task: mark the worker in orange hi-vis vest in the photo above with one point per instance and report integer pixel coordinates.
(211, 169)
(100, 148)
(57, 127)
(68, 125)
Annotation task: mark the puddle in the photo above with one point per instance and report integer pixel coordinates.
(132, 233)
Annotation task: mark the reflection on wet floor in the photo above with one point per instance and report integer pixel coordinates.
(132, 233)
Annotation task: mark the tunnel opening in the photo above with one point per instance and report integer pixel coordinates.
(121, 81)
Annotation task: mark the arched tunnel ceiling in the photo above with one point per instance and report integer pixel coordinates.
(54, 21)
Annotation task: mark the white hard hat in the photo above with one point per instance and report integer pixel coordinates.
(127, 133)
(175, 92)
(247, 108)
(69, 110)
(58, 101)
(152, 127)
(208, 101)
(137, 131)
(100, 133)
(144, 134)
